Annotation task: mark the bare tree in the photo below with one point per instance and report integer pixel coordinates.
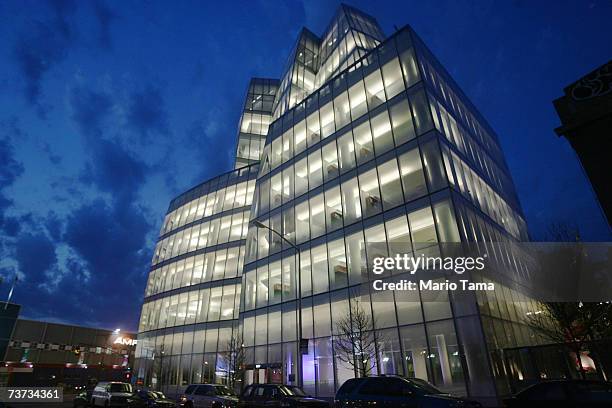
(356, 341)
(233, 359)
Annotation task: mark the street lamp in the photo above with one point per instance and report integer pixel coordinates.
(260, 225)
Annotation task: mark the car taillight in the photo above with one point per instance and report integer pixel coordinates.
(183, 398)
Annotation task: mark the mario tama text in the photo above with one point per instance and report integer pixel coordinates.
(405, 263)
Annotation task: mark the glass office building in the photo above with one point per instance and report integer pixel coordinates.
(369, 141)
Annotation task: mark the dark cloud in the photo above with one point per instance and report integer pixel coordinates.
(105, 17)
(10, 170)
(41, 45)
(147, 112)
(89, 110)
(115, 170)
(213, 151)
(35, 255)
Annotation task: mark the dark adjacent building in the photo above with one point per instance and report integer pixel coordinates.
(51, 354)
(586, 121)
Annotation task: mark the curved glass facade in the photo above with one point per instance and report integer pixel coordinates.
(372, 150)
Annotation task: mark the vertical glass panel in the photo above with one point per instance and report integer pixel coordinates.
(262, 286)
(422, 228)
(302, 222)
(327, 120)
(315, 169)
(301, 177)
(346, 151)
(356, 257)
(317, 216)
(214, 308)
(398, 236)
(322, 316)
(288, 225)
(401, 120)
(289, 278)
(445, 220)
(333, 208)
(320, 278)
(390, 186)
(392, 76)
(381, 132)
(305, 275)
(264, 197)
(433, 165)
(363, 142)
(250, 289)
(227, 304)
(409, 67)
(300, 136)
(276, 191)
(274, 329)
(342, 110)
(350, 201)
(375, 91)
(422, 115)
(338, 270)
(414, 345)
(444, 356)
(413, 179)
(375, 241)
(261, 328)
(276, 156)
(289, 320)
(357, 96)
(370, 194)
(313, 131)
(288, 181)
(275, 285)
(287, 145)
(330, 161)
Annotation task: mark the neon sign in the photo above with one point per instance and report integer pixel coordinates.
(125, 341)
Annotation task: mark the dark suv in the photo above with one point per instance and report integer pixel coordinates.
(395, 392)
(208, 396)
(277, 395)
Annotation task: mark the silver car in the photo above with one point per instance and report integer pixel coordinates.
(208, 395)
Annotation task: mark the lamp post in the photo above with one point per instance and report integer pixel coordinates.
(260, 225)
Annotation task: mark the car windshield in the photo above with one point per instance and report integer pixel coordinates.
(119, 387)
(223, 390)
(292, 391)
(425, 386)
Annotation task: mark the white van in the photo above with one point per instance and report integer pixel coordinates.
(111, 394)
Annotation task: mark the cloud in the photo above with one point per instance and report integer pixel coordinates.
(10, 171)
(90, 110)
(147, 113)
(42, 45)
(105, 16)
(115, 170)
(35, 255)
(214, 150)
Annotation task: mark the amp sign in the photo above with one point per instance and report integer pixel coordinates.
(125, 341)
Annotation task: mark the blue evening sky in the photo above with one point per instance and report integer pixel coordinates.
(108, 109)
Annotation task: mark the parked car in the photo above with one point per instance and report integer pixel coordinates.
(208, 395)
(563, 394)
(396, 392)
(81, 400)
(277, 395)
(154, 399)
(112, 394)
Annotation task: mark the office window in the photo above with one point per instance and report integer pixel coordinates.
(275, 283)
(261, 328)
(401, 120)
(319, 261)
(317, 216)
(313, 131)
(381, 132)
(363, 142)
(302, 221)
(263, 242)
(342, 110)
(398, 236)
(288, 184)
(315, 169)
(276, 155)
(333, 208)
(262, 286)
(250, 289)
(346, 151)
(392, 76)
(409, 67)
(214, 308)
(301, 177)
(287, 145)
(357, 97)
(300, 136)
(375, 91)
(370, 194)
(231, 265)
(445, 220)
(276, 191)
(322, 317)
(289, 277)
(338, 270)
(351, 208)
(330, 161)
(390, 186)
(227, 303)
(305, 274)
(422, 115)
(422, 228)
(274, 329)
(327, 120)
(413, 179)
(433, 165)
